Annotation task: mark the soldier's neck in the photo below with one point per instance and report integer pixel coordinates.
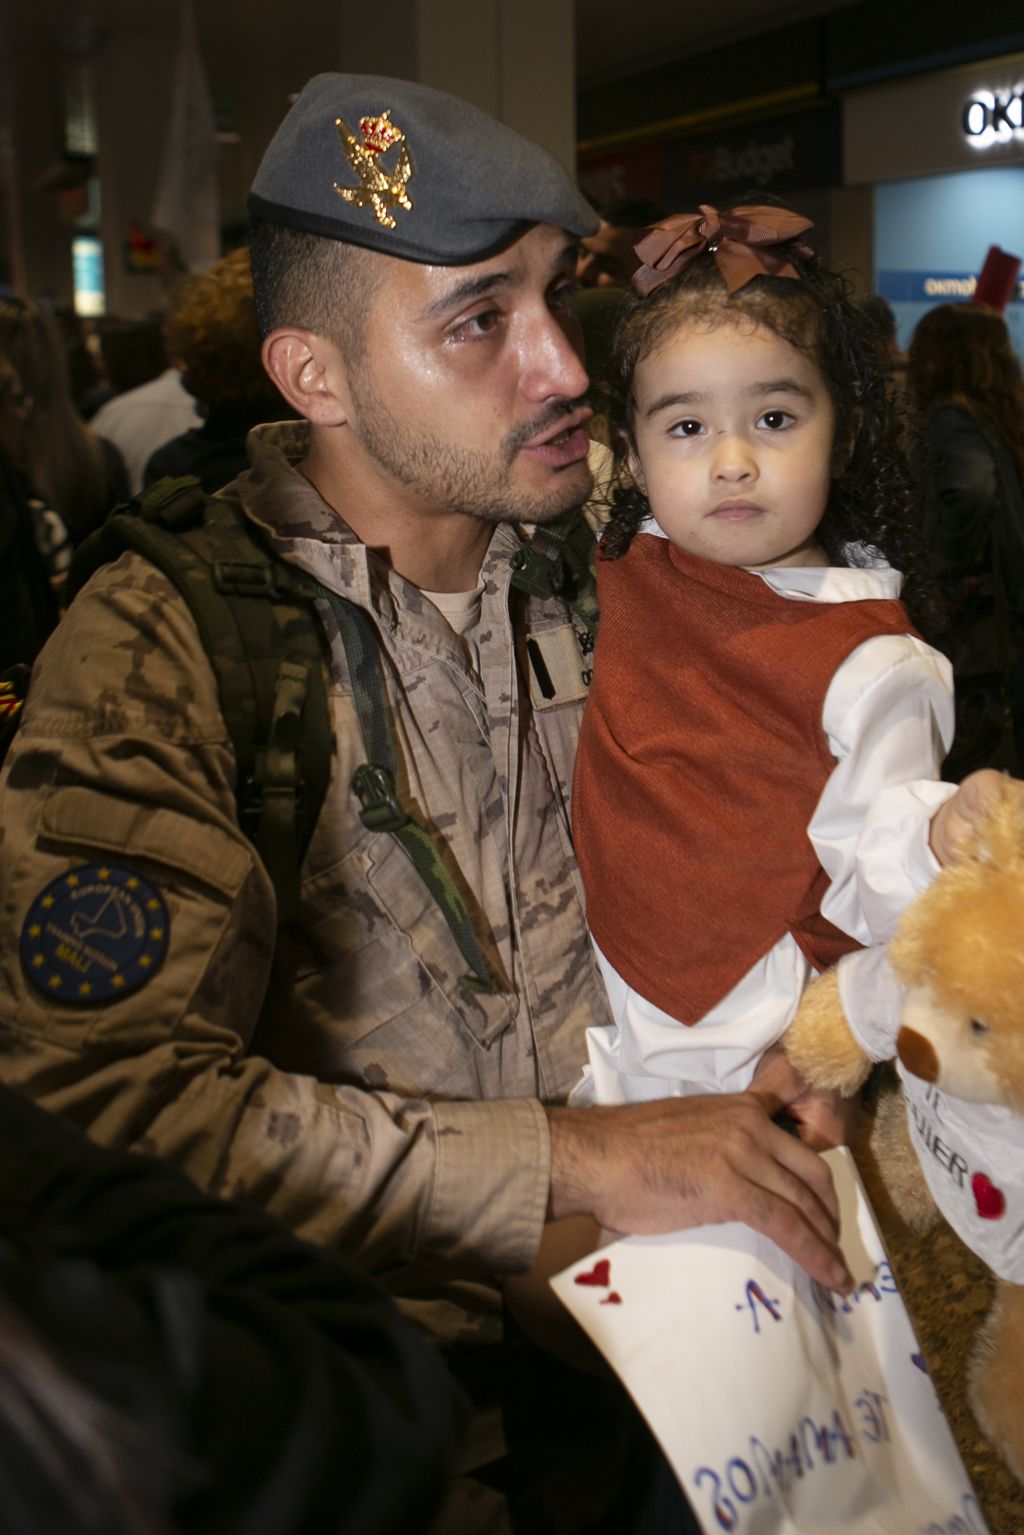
(436, 549)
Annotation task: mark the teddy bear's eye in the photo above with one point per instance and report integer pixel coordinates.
(977, 1027)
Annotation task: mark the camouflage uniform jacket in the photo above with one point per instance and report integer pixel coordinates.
(369, 1101)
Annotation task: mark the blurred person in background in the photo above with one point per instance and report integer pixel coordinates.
(87, 376)
(29, 572)
(598, 311)
(150, 403)
(968, 396)
(605, 263)
(64, 463)
(607, 259)
(132, 352)
(215, 335)
(894, 360)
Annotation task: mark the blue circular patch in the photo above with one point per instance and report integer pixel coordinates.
(97, 933)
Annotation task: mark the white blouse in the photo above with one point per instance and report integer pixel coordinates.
(888, 718)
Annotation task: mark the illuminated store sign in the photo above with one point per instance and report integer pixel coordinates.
(801, 150)
(993, 117)
(907, 287)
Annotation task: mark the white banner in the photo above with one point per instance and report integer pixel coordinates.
(187, 202)
(783, 1408)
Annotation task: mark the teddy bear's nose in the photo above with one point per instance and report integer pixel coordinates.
(917, 1055)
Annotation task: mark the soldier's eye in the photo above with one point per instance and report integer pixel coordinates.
(476, 326)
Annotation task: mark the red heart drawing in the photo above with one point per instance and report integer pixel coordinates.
(989, 1200)
(613, 1299)
(600, 1274)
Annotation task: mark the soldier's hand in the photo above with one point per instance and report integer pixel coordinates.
(680, 1162)
(954, 820)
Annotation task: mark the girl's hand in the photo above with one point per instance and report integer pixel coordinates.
(954, 820)
(823, 1118)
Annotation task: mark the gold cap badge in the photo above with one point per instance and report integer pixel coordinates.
(379, 188)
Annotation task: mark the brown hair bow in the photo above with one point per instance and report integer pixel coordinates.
(747, 242)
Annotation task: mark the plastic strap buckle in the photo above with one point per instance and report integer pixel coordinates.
(536, 573)
(374, 787)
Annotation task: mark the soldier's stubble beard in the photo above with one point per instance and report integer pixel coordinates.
(469, 481)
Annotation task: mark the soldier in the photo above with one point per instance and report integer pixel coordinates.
(394, 1086)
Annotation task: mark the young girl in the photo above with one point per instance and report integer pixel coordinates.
(763, 719)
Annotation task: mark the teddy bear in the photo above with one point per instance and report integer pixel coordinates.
(948, 1004)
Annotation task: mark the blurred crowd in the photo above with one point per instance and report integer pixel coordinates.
(93, 411)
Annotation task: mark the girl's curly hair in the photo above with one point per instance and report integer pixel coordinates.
(872, 501)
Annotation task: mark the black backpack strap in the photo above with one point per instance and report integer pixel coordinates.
(265, 645)
(374, 786)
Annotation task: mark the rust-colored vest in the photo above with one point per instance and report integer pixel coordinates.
(701, 761)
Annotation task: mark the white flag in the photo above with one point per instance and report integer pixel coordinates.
(187, 201)
(782, 1408)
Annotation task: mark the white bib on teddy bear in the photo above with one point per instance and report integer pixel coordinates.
(972, 1155)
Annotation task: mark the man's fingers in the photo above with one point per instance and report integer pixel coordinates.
(678, 1163)
(809, 1173)
(789, 1196)
(799, 1195)
(783, 1222)
(793, 1201)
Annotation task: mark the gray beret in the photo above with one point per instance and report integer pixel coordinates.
(410, 171)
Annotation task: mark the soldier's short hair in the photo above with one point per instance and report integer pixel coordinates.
(311, 282)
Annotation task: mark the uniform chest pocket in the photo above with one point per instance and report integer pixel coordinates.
(556, 669)
(382, 954)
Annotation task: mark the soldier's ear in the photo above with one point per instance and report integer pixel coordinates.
(310, 374)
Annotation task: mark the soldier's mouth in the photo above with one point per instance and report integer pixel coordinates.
(566, 442)
(567, 447)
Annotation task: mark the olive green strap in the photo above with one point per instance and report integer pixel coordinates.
(374, 785)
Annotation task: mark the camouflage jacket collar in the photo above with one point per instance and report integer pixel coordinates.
(304, 530)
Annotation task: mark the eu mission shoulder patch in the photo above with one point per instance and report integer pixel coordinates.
(97, 933)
